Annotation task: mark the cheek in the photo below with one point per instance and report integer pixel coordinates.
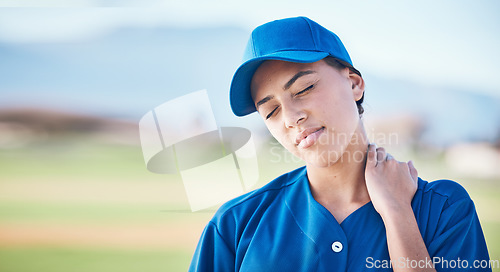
(347, 120)
(342, 118)
(275, 132)
(282, 137)
(345, 105)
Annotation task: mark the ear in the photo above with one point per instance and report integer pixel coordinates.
(357, 84)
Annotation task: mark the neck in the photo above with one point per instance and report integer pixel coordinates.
(343, 182)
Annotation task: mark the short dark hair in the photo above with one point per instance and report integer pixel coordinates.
(335, 63)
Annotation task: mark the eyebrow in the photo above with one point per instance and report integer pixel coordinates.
(285, 87)
(264, 100)
(295, 77)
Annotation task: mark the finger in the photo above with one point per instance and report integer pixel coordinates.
(372, 155)
(380, 154)
(413, 171)
(389, 157)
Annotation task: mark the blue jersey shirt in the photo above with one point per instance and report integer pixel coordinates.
(281, 227)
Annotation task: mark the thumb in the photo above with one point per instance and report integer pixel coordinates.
(413, 171)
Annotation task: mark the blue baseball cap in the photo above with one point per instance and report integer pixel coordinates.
(298, 39)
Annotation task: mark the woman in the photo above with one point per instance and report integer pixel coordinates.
(353, 207)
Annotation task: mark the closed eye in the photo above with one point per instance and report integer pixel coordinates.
(271, 113)
(305, 90)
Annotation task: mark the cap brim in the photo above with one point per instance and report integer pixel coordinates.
(239, 94)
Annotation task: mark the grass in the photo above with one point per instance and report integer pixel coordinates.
(132, 220)
(73, 158)
(78, 213)
(53, 259)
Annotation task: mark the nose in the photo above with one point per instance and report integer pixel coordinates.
(293, 116)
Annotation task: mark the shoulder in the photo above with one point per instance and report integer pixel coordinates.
(444, 188)
(257, 201)
(438, 196)
(448, 222)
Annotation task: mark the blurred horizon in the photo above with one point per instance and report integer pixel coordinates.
(102, 77)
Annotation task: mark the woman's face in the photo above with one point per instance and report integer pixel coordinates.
(310, 108)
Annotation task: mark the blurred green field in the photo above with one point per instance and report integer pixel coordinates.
(83, 205)
(75, 259)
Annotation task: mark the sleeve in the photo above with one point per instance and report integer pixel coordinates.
(459, 244)
(213, 253)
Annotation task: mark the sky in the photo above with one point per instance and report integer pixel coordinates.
(452, 43)
(123, 58)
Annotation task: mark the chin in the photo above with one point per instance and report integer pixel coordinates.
(321, 159)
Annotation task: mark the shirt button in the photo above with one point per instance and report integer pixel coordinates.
(337, 246)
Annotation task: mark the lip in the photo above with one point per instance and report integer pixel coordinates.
(308, 137)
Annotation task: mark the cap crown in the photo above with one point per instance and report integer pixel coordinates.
(294, 34)
(296, 39)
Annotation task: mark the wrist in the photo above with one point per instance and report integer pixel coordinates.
(397, 213)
